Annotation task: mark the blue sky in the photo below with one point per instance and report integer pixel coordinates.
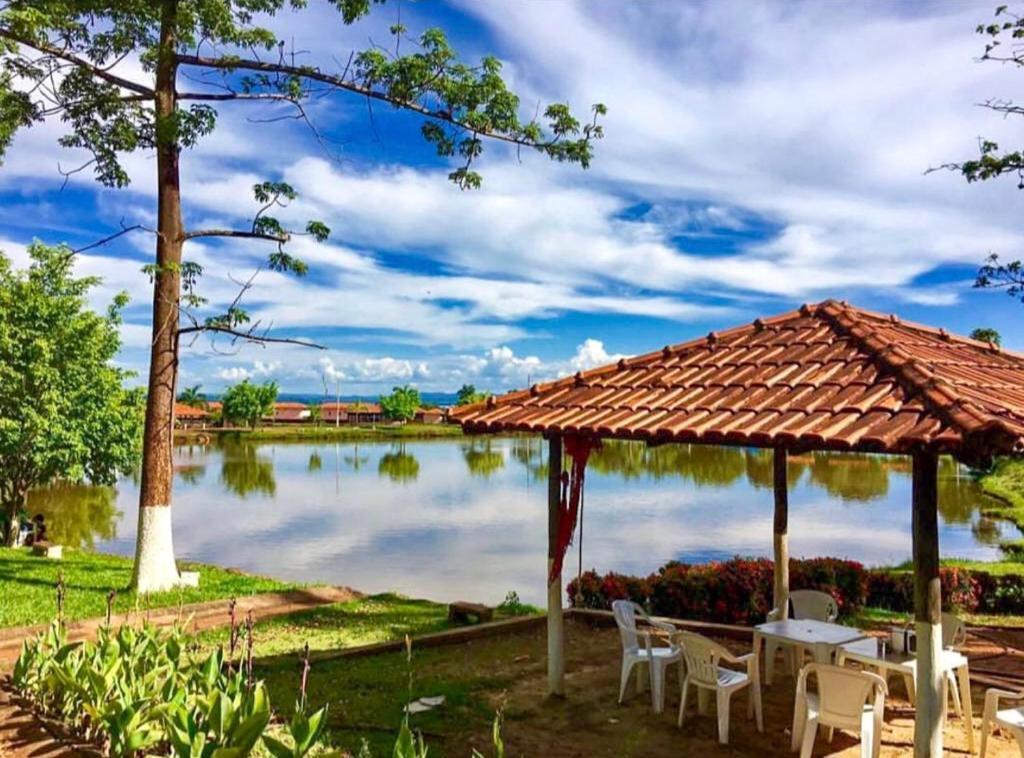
(758, 155)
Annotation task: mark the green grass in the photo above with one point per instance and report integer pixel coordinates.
(996, 568)
(366, 695)
(326, 432)
(377, 618)
(27, 582)
(1005, 482)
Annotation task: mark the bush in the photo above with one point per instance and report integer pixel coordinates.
(739, 591)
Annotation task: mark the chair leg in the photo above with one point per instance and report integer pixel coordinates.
(987, 719)
(810, 732)
(799, 723)
(867, 736)
(755, 701)
(954, 689)
(627, 667)
(684, 691)
(908, 682)
(657, 687)
(643, 674)
(702, 701)
(771, 650)
(722, 706)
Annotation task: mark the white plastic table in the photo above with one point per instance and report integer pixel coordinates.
(866, 653)
(820, 637)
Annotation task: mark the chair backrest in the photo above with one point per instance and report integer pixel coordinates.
(626, 612)
(702, 656)
(815, 605)
(954, 631)
(842, 693)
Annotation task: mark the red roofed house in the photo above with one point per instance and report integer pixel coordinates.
(290, 413)
(429, 416)
(187, 416)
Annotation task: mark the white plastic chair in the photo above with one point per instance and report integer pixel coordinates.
(1010, 719)
(846, 699)
(656, 658)
(806, 604)
(703, 671)
(954, 635)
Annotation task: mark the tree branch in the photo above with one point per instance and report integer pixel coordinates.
(279, 238)
(248, 336)
(314, 74)
(100, 73)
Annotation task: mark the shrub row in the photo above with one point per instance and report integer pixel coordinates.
(739, 591)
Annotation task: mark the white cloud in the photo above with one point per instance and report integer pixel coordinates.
(591, 354)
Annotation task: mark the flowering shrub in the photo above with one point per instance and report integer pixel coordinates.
(739, 591)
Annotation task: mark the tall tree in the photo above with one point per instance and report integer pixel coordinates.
(63, 58)
(192, 396)
(1003, 37)
(468, 394)
(401, 404)
(246, 403)
(64, 413)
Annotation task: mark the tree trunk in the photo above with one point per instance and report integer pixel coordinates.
(18, 502)
(930, 685)
(155, 569)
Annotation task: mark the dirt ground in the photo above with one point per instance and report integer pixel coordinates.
(589, 722)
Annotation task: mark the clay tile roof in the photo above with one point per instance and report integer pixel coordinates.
(187, 411)
(827, 376)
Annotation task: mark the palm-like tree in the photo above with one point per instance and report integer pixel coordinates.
(193, 397)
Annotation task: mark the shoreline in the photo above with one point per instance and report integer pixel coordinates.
(322, 433)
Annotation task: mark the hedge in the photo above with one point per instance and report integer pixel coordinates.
(739, 591)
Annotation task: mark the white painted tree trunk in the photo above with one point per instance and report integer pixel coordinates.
(155, 569)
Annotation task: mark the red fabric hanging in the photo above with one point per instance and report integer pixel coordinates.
(578, 449)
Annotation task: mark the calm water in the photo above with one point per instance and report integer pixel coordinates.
(467, 519)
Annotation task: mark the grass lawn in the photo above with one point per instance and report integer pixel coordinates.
(377, 618)
(27, 582)
(1006, 482)
(327, 433)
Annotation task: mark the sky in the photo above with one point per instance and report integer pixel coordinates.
(757, 156)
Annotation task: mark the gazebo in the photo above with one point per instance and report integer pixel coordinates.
(825, 377)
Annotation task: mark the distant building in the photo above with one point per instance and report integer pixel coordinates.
(429, 416)
(189, 417)
(290, 413)
(352, 413)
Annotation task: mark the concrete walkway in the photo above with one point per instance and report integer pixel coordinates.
(202, 616)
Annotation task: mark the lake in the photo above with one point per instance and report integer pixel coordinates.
(467, 518)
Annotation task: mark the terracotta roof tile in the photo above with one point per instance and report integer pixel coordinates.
(827, 376)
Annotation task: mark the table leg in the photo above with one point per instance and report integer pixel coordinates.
(822, 652)
(963, 675)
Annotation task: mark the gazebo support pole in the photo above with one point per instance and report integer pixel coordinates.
(556, 631)
(780, 543)
(927, 607)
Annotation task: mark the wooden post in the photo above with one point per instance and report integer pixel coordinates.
(556, 631)
(780, 543)
(927, 607)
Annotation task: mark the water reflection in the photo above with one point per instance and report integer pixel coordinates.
(398, 465)
(482, 457)
(76, 515)
(467, 518)
(245, 471)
